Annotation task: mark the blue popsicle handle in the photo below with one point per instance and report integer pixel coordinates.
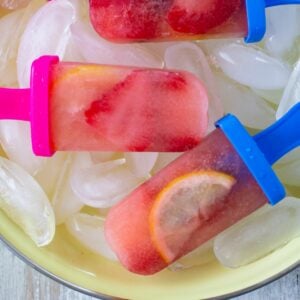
(256, 17)
(282, 137)
(270, 3)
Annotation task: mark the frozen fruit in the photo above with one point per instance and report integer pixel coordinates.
(182, 206)
(198, 17)
(129, 19)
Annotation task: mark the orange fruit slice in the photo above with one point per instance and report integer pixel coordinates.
(182, 205)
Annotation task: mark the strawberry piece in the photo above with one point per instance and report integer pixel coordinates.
(152, 110)
(119, 114)
(128, 19)
(198, 17)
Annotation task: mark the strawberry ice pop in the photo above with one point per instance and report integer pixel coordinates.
(203, 192)
(160, 20)
(91, 107)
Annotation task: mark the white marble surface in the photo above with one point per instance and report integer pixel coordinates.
(21, 282)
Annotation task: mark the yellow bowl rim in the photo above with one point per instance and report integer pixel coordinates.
(101, 296)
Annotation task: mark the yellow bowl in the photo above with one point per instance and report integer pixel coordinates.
(69, 263)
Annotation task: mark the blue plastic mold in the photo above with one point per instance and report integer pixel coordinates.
(265, 148)
(256, 17)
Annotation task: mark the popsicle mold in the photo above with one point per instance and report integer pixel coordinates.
(39, 105)
(90, 107)
(206, 190)
(131, 20)
(253, 157)
(264, 149)
(32, 104)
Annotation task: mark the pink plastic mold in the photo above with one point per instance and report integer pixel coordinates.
(32, 105)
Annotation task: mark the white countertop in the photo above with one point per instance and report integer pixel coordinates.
(21, 282)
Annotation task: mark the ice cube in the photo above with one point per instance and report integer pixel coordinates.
(65, 202)
(24, 201)
(272, 96)
(164, 158)
(252, 67)
(200, 256)
(290, 157)
(13, 25)
(47, 32)
(104, 184)
(48, 175)
(257, 236)
(252, 110)
(291, 94)
(282, 29)
(72, 53)
(141, 163)
(192, 59)
(16, 142)
(9, 26)
(98, 157)
(289, 173)
(98, 50)
(88, 230)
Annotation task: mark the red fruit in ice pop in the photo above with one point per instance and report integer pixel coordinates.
(163, 20)
(137, 100)
(128, 19)
(198, 17)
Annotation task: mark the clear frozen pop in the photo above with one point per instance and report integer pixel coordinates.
(203, 192)
(161, 20)
(13, 4)
(89, 107)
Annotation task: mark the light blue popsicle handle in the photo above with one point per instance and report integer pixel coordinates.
(282, 137)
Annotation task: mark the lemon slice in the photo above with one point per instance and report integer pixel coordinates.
(182, 206)
(24, 201)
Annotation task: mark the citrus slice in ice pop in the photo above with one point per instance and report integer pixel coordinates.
(182, 206)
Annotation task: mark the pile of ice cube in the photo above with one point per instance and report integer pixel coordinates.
(258, 83)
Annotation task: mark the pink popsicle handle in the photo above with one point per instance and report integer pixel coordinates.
(39, 105)
(32, 105)
(15, 104)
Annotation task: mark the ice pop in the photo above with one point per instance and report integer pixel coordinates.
(161, 20)
(90, 107)
(203, 192)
